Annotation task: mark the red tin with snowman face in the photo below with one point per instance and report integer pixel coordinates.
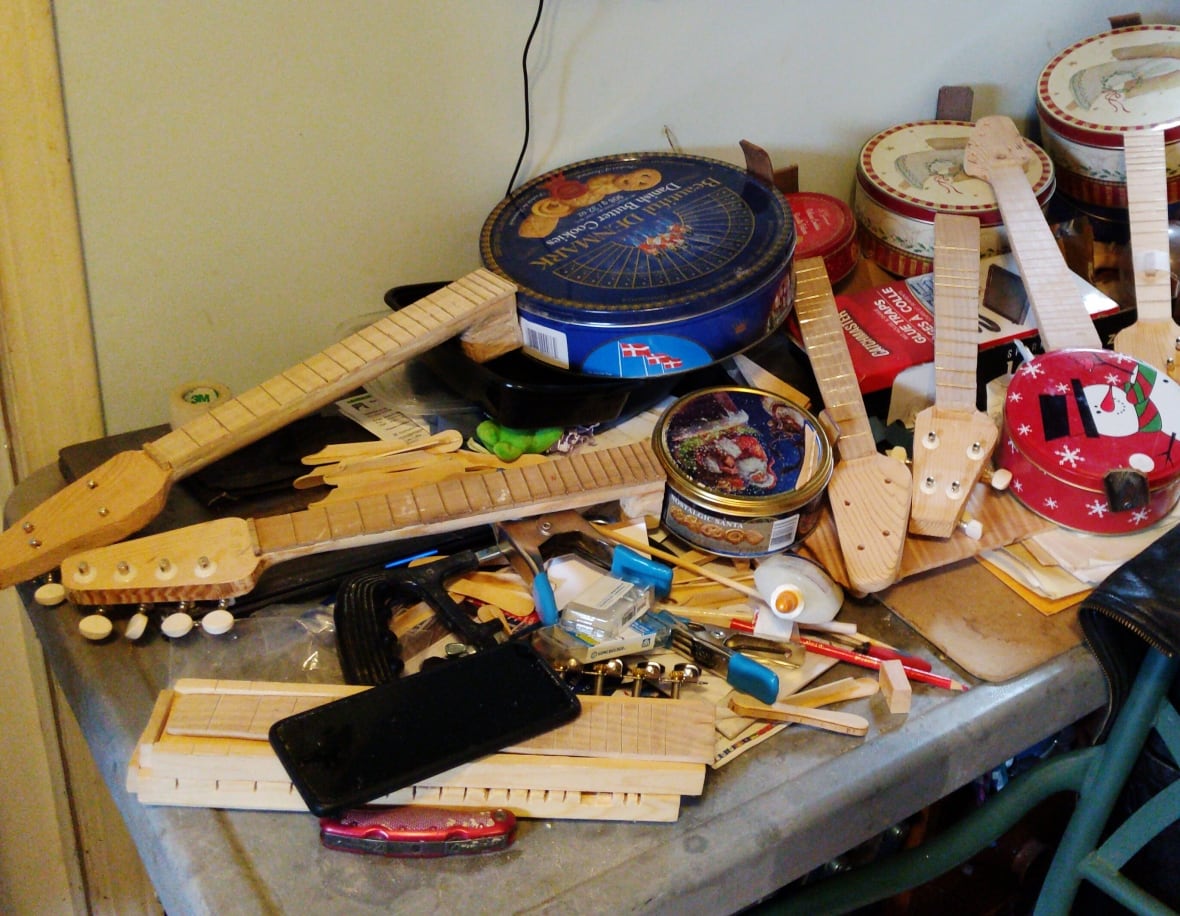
(1090, 437)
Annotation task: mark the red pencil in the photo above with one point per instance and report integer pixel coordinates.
(820, 647)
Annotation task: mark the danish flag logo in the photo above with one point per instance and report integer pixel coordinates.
(652, 361)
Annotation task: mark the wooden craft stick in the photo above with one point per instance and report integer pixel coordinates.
(448, 439)
(674, 560)
(846, 688)
(845, 723)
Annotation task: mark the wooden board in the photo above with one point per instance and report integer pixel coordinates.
(214, 769)
(616, 727)
(1004, 522)
(997, 635)
(253, 795)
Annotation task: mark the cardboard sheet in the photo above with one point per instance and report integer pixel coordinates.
(994, 634)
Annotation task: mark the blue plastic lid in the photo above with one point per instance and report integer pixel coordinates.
(639, 235)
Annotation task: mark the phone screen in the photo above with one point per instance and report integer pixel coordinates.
(366, 745)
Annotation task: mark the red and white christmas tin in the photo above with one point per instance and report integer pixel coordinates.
(910, 173)
(825, 228)
(1097, 90)
(1090, 437)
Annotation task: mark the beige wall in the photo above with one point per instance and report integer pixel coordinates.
(252, 175)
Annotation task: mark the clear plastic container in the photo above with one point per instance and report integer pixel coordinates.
(605, 608)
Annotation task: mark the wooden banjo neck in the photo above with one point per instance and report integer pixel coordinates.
(225, 557)
(129, 490)
(996, 153)
(952, 439)
(1154, 337)
(869, 492)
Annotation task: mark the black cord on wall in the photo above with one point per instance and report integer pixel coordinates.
(524, 64)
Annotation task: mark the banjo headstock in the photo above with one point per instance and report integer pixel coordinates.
(994, 143)
(204, 562)
(113, 501)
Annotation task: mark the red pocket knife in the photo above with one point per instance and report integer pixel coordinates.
(419, 832)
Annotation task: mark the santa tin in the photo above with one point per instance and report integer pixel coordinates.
(1090, 437)
(1097, 90)
(910, 173)
(746, 471)
(644, 264)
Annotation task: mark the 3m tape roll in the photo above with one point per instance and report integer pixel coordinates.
(190, 400)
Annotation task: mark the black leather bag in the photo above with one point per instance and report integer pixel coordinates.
(1139, 605)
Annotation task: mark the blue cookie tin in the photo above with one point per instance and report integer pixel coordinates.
(644, 264)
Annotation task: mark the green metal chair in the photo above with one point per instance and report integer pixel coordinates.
(1096, 773)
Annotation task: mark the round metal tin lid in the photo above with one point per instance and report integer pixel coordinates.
(1077, 414)
(631, 235)
(823, 223)
(744, 448)
(1103, 86)
(916, 170)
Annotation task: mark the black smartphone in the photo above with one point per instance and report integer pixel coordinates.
(366, 745)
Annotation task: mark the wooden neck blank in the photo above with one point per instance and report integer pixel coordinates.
(1147, 205)
(996, 153)
(480, 299)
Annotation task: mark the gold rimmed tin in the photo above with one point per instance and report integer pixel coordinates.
(746, 471)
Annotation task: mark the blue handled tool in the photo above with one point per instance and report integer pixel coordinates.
(740, 671)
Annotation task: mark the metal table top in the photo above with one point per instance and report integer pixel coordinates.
(768, 817)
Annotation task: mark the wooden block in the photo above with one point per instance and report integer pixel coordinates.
(895, 685)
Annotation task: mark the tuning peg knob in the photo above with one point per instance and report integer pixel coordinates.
(136, 626)
(971, 527)
(50, 594)
(218, 622)
(95, 627)
(177, 625)
(997, 478)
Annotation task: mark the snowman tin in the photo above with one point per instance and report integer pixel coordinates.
(1090, 437)
(910, 173)
(1097, 90)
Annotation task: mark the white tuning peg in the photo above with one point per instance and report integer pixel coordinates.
(50, 594)
(136, 626)
(177, 624)
(997, 478)
(972, 527)
(217, 622)
(95, 627)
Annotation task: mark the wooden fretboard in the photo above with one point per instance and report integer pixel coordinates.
(827, 350)
(956, 310)
(1147, 205)
(569, 482)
